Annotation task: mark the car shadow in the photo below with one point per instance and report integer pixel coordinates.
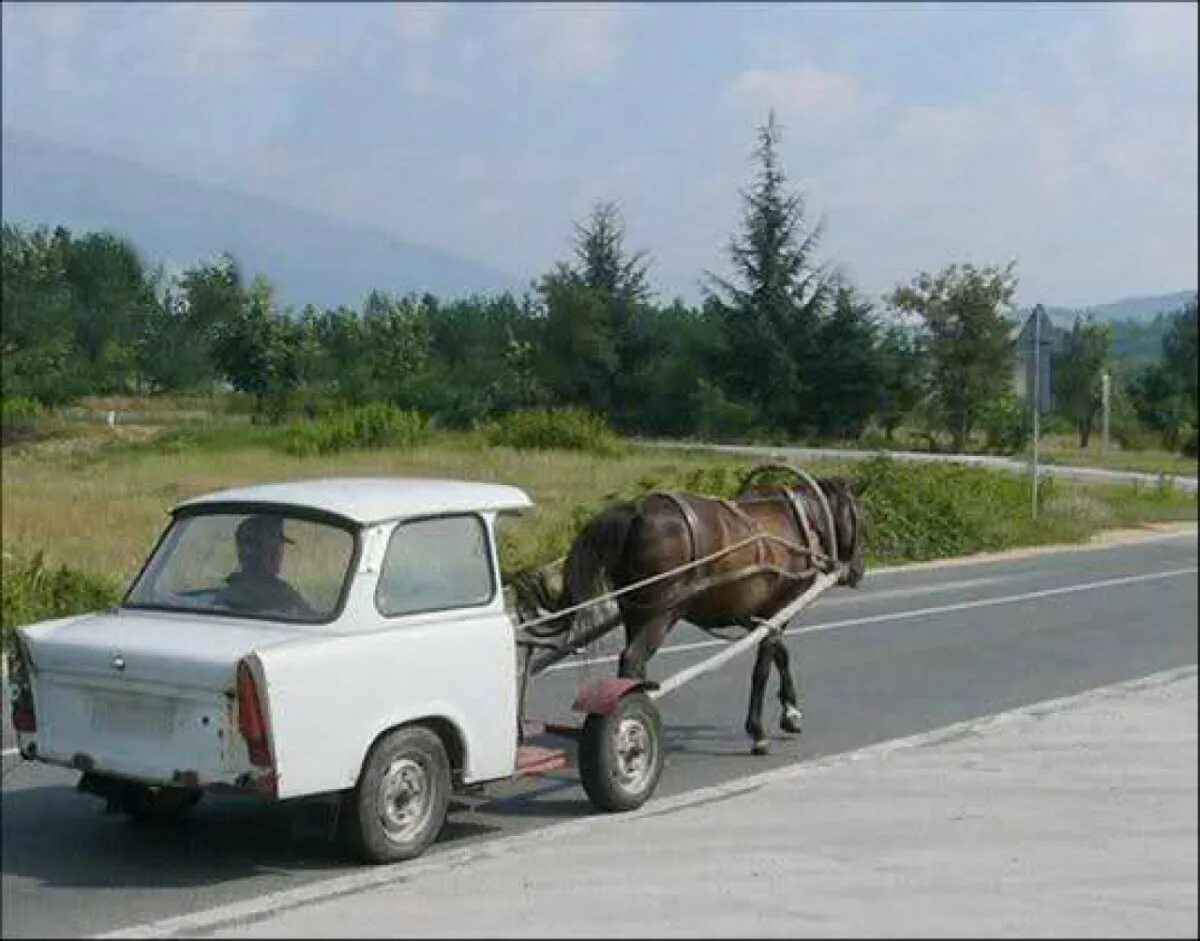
(58, 837)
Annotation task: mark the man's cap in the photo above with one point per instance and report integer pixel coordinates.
(256, 531)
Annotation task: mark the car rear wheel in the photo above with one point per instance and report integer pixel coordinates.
(399, 805)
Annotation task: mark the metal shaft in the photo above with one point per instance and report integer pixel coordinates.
(778, 621)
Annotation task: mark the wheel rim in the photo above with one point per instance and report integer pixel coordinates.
(635, 754)
(405, 799)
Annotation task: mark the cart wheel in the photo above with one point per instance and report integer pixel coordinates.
(399, 805)
(620, 754)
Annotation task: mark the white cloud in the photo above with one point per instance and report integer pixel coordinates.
(805, 89)
(1161, 35)
(580, 38)
(419, 22)
(216, 37)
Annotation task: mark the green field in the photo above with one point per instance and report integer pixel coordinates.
(96, 502)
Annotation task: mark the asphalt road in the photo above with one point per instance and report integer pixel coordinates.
(907, 652)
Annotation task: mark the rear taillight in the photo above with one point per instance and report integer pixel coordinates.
(251, 722)
(24, 719)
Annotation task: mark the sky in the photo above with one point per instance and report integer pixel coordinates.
(1061, 136)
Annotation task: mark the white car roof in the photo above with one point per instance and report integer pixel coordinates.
(367, 500)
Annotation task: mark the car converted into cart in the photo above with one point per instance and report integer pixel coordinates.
(343, 637)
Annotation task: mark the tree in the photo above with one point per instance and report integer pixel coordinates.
(1164, 392)
(603, 262)
(579, 358)
(903, 376)
(1179, 350)
(773, 306)
(38, 354)
(1078, 371)
(257, 352)
(848, 371)
(969, 346)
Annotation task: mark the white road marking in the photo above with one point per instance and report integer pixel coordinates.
(8, 751)
(902, 615)
(852, 597)
(269, 904)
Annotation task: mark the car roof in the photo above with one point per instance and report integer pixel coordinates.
(365, 500)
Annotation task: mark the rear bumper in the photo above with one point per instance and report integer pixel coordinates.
(256, 780)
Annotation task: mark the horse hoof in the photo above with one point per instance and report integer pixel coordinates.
(791, 720)
(759, 747)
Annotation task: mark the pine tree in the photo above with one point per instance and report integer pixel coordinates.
(772, 307)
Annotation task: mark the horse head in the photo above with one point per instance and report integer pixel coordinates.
(841, 495)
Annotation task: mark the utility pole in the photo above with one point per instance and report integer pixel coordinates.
(1037, 405)
(1105, 393)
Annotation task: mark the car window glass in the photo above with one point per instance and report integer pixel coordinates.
(193, 568)
(434, 564)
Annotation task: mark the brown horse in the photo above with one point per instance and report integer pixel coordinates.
(660, 532)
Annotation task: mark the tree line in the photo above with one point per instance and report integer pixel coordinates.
(785, 346)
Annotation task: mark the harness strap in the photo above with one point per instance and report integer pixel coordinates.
(691, 521)
(752, 527)
(828, 513)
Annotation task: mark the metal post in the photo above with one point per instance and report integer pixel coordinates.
(1037, 382)
(1105, 392)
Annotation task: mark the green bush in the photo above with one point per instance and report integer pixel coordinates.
(19, 417)
(1189, 447)
(929, 511)
(32, 591)
(1007, 425)
(569, 429)
(370, 426)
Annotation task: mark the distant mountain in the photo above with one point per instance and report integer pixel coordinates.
(307, 256)
(1138, 323)
(1140, 309)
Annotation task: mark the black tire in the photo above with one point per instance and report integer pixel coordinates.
(621, 754)
(163, 805)
(399, 804)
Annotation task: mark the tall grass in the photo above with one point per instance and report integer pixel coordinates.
(98, 514)
(30, 590)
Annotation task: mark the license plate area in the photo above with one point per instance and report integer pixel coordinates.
(145, 717)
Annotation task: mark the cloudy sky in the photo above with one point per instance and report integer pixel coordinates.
(1064, 136)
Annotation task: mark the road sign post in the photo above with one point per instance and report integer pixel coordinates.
(1105, 398)
(1037, 382)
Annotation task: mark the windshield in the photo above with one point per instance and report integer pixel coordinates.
(249, 565)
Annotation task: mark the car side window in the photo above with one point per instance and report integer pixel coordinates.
(433, 564)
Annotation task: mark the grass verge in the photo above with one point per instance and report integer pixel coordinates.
(97, 512)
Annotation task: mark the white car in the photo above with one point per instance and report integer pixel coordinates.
(340, 636)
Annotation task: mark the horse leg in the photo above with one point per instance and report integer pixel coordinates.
(792, 716)
(758, 688)
(643, 638)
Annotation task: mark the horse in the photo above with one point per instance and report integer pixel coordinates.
(804, 533)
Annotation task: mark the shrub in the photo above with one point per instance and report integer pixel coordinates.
(370, 426)
(1189, 445)
(19, 417)
(928, 511)
(569, 429)
(1007, 425)
(34, 592)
